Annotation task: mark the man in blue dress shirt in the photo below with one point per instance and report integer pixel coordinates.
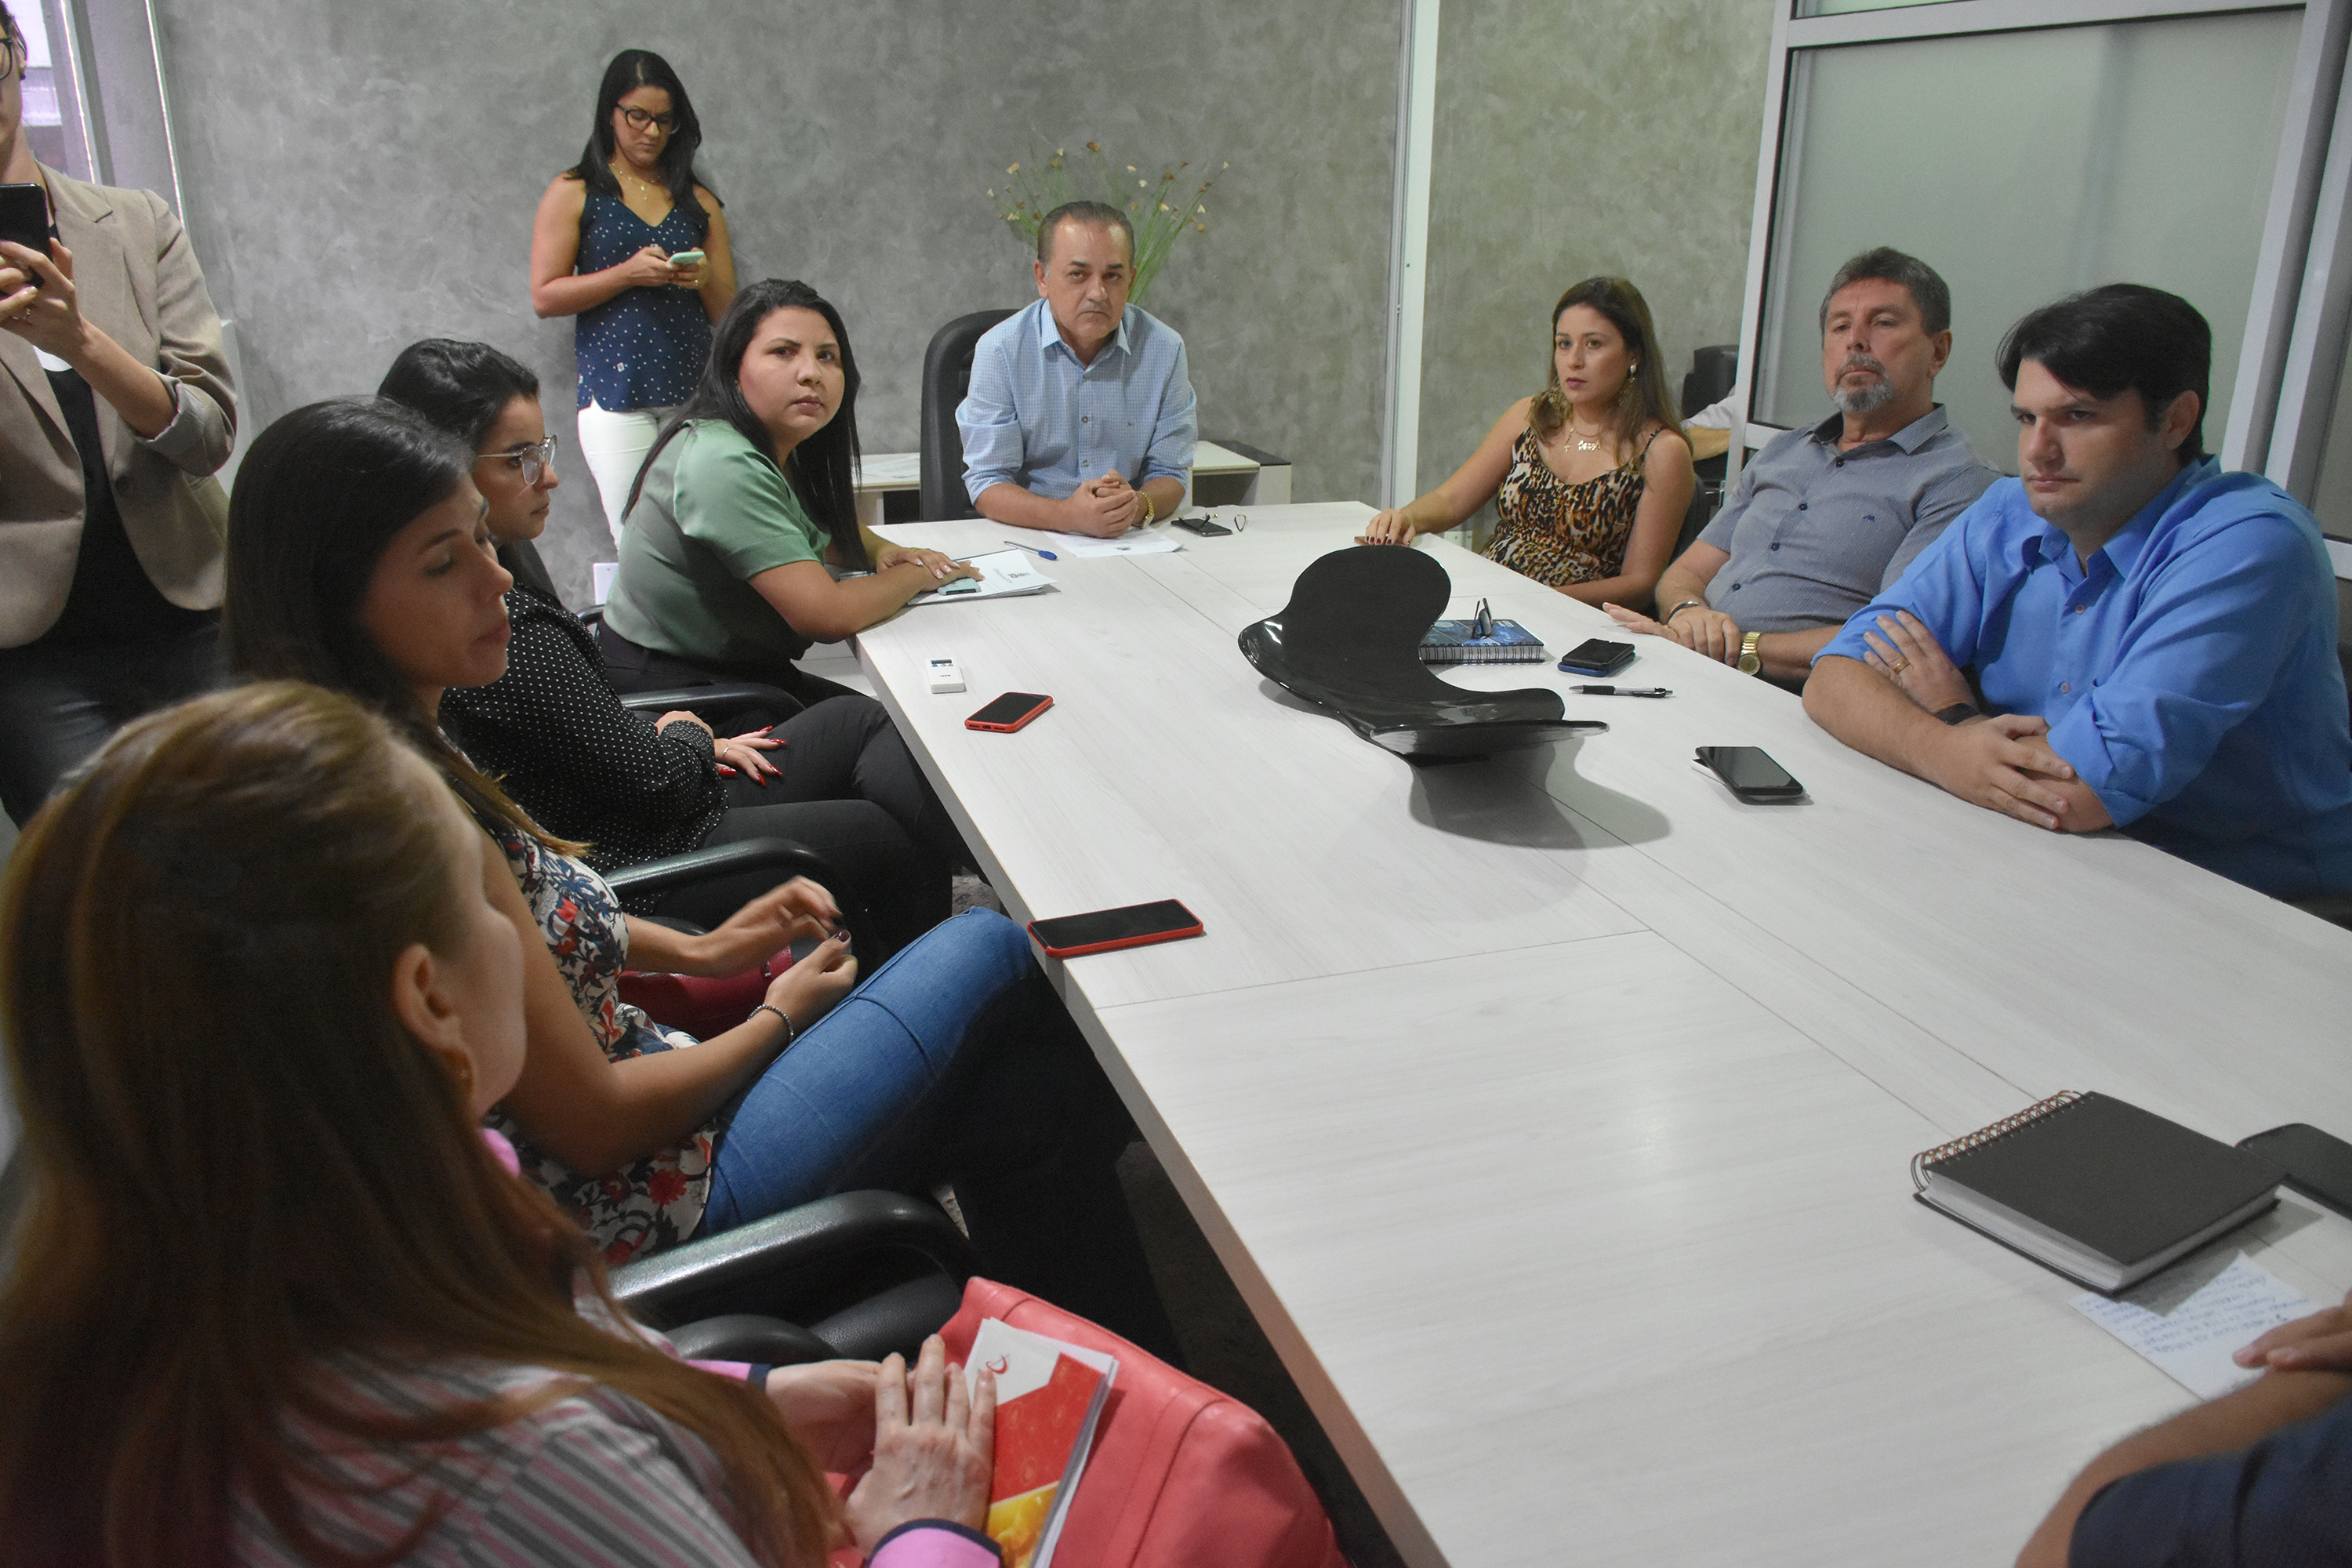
(2152, 641)
(1080, 417)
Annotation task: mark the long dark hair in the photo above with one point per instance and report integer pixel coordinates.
(249, 1183)
(822, 470)
(317, 499)
(1643, 398)
(630, 69)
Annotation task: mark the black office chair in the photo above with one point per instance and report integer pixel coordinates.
(947, 377)
(856, 1275)
(1712, 372)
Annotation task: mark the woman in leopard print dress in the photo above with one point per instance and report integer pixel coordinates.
(1590, 477)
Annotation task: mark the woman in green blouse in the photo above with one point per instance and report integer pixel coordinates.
(744, 503)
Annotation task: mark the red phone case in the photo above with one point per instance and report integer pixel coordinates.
(1174, 933)
(975, 722)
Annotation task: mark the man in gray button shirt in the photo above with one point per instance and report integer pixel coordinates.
(1823, 519)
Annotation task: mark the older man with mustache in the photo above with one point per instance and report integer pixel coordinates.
(1823, 520)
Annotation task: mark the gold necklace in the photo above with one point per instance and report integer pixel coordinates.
(1569, 433)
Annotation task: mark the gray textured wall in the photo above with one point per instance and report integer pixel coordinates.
(1605, 136)
(359, 176)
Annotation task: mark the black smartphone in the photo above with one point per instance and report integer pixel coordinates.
(1202, 526)
(1010, 711)
(25, 215)
(1750, 773)
(1597, 657)
(1102, 931)
(2317, 1164)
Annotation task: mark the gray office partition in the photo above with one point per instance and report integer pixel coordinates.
(361, 177)
(1616, 136)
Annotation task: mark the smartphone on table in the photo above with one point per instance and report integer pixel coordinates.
(1103, 930)
(1203, 526)
(1597, 657)
(2317, 1164)
(1750, 772)
(25, 215)
(1010, 711)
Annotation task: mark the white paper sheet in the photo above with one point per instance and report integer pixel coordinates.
(2191, 1338)
(1134, 542)
(1002, 573)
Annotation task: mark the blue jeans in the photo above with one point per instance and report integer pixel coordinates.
(955, 1062)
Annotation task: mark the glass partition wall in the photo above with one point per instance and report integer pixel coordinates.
(2029, 148)
(2023, 166)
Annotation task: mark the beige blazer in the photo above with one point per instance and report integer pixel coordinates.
(137, 280)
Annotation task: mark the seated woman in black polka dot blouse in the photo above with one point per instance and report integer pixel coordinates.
(835, 777)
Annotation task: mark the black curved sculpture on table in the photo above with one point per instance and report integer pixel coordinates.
(1346, 643)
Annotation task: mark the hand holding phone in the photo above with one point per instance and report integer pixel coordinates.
(24, 216)
(649, 268)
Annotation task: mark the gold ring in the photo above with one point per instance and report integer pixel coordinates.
(1903, 666)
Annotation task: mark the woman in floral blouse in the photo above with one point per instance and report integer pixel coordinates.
(953, 1062)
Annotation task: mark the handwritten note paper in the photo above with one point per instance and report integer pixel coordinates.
(2191, 1337)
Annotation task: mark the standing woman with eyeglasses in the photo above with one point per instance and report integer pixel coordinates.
(115, 410)
(602, 249)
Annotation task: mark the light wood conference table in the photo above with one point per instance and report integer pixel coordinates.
(1552, 1112)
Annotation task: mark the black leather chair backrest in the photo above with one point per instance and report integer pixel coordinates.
(947, 377)
(1712, 372)
(520, 557)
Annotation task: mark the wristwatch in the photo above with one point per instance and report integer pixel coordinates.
(1148, 512)
(1750, 662)
(1958, 712)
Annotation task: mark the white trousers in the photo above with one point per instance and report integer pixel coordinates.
(614, 445)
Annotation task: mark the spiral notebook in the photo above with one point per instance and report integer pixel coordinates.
(1456, 642)
(2101, 1191)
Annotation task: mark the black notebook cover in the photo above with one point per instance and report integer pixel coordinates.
(2115, 1179)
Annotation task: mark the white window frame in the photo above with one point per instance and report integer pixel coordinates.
(2301, 312)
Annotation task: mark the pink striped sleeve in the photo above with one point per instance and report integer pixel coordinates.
(603, 1492)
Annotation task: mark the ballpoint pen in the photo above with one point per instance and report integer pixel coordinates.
(1033, 550)
(1622, 691)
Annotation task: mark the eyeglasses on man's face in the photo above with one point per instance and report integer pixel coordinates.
(529, 461)
(638, 120)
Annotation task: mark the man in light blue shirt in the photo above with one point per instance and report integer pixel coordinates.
(1081, 416)
(2152, 641)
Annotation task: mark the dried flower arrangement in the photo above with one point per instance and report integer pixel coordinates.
(1159, 215)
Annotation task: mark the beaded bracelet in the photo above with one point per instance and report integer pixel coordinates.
(790, 1033)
